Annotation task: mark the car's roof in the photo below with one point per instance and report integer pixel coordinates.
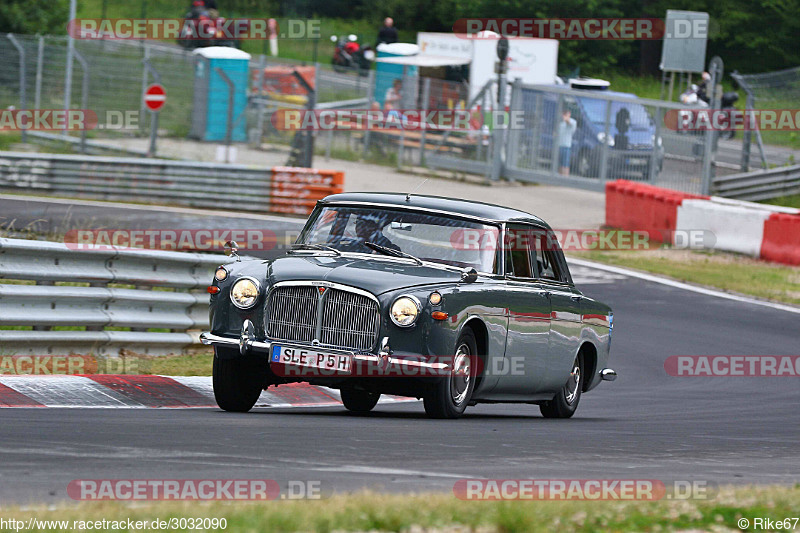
(438, 203)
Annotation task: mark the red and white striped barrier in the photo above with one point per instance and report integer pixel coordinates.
(758, 230)
(142, 391)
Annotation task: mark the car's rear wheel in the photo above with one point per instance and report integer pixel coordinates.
(238, 381)
(359, 401)
(564, 404)
(450, 395)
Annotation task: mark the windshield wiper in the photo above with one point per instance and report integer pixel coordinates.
(385, 250)
(311, 246)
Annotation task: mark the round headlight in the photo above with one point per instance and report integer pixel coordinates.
(435, 298)
(245, 293)
(221, 274)
(405, 310)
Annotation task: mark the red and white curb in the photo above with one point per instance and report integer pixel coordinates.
(758, 230)
(143, 391)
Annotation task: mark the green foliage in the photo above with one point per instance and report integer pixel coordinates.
(749, 35)
(34, 16)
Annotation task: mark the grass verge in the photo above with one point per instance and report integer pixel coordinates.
(729, 272)
(442, 512)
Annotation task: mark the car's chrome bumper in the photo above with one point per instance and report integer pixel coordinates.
(247, 344)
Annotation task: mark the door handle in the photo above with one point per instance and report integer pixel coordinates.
(575, 298)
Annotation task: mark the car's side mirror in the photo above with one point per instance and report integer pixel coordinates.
(469, 275)
(231, 247)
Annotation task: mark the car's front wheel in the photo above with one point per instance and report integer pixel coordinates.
(359, 401)
(238, 381)
(450, 395)
(564, 404)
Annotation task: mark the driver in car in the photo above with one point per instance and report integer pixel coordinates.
(369, 229)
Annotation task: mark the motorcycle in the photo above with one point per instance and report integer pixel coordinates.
(204, 27)
(349, 55)
(694, 95)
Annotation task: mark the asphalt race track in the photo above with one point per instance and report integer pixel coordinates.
(646, 425)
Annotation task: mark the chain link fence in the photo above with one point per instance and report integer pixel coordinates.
(769, 90)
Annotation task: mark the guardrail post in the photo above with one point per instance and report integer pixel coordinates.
(84, 95)
(37, 98)
(426, 94)
(659, 119)
(554, 163)
(513, 135)
(370, 101)
(151, 150)
(229, 122)
(499, 136)
(715, 69)
(22, 82)
(604, 148)
(145, 63)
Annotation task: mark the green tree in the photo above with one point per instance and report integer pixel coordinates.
(34, 16)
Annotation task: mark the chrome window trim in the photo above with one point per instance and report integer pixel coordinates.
(455, 214)
(258, 287)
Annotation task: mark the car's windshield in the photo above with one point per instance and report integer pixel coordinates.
(436, 238)
(596, 111)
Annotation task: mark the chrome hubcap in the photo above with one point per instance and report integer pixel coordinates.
(461, 375)
(573, 383)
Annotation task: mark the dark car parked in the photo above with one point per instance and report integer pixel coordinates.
(633, 146)
(450, 301)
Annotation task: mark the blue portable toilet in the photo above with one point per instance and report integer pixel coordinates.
(386, 73)
(210, 103)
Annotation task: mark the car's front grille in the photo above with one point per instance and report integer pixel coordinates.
(292, 313)
(349, 319)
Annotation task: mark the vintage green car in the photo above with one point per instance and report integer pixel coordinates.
(451, 301)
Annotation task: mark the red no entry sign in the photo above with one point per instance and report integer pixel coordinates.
(155, 97)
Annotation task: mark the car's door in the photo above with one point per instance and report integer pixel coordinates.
(528, 309)
(565, 313)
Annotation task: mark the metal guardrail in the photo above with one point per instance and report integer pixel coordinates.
(136, 179)
(760, 184)
(117, 295)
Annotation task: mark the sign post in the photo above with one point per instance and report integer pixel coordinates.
(155, 96)
(496, 170)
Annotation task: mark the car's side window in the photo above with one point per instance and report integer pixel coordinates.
(518, 253)
(546, 261)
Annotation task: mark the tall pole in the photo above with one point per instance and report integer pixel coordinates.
(73, 8)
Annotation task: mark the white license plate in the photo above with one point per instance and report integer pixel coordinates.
(637, 161)
(291, 355)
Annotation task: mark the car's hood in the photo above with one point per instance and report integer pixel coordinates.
(374, 275)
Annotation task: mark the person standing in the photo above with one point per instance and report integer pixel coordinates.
(566, 129)
(388, 33)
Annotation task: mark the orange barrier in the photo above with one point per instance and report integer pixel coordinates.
(781, 242)
(641, 207)
(295, 190)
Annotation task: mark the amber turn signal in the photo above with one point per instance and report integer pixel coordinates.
(439, 315)
(212, 289)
